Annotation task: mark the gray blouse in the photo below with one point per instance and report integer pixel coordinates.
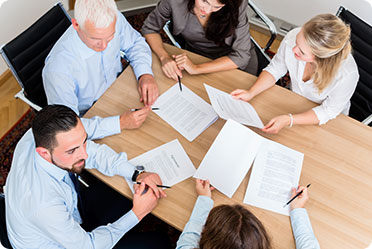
(238, 46)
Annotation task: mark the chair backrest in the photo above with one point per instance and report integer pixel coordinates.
(361, 41)
(25, 54)
(3, 231)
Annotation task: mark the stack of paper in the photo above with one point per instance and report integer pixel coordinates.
(276, 168)
(185, 111)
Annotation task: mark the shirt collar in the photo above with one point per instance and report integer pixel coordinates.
(50, 168)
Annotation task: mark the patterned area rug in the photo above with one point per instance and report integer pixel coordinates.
(8, 143)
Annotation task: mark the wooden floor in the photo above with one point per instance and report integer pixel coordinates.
(11, 109)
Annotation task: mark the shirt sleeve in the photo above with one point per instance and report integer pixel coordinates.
(57, 224)
(157, 18)
(302, 230)
(337, 99)
(277, 67)
(60, 89)
(98, 127)
(241, 45)
(107, 161)
(191, 233)
(135, 47)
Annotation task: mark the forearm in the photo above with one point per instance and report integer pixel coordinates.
(264, 81)
(156, 44)
(305, 118)
(220, 64)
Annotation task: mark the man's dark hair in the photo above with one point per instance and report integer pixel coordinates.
(51, 120)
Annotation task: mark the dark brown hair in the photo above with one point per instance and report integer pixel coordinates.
(233, 227)
(222, 23)
(51, 120)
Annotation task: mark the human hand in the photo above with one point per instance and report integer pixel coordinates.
(184, 63)
(242, 95)
(151, 180)
(203, 187)
(170, 69)
(148, 89)
(143, 201)
(133, 120)
(301, 200)
(276, 124)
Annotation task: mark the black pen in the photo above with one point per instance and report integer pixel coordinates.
(179, 82)
(160, 186)
(137, 109)
(294, 197)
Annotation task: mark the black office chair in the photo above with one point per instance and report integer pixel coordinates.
(3, 231)
(361, 41)
(25, 54)
(263, 58)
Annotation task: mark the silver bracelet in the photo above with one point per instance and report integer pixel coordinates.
(291, 122)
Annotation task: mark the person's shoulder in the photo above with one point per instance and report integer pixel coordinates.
(243, 6)
(292, 34)
(349, 64)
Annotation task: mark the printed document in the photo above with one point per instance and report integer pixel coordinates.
(169, 161)
(276, 170)
(229, 108)
(229, 157)
(185, 111)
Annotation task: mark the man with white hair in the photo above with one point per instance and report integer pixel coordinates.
(85, 61)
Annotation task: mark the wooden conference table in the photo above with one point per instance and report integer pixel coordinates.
(337, 161)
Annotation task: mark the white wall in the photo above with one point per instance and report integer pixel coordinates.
(297, 12)
(17, 15)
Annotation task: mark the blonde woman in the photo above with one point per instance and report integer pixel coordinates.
(322, 69)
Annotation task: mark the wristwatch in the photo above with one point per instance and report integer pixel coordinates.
(138, 170)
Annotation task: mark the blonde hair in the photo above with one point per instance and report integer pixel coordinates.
(329, 39)
(100, 12)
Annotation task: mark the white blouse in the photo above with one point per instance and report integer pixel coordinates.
(334, 99)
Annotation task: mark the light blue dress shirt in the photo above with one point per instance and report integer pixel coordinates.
(190, 236)
(77, 76)
(41, 201)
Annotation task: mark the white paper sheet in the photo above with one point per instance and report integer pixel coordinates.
(276, 170)
(185, 111)
(170, 161)
(229, 108)
(230, 157)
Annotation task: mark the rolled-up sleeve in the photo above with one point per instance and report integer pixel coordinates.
(135, 47)
(241, 45)
(337, 99)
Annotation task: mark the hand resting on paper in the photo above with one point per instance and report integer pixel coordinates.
(203, 187)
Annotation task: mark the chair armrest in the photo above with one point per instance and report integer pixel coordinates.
(22, 96)
(368, 120)
(169, 34)
(267, 22)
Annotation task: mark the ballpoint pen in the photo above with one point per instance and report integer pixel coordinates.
(160, 186)
(294, 197)
(137, 109)
(179, 82)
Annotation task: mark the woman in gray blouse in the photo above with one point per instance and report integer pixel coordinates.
(217, 29)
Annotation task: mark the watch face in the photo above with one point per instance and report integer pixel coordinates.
(140, 168)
